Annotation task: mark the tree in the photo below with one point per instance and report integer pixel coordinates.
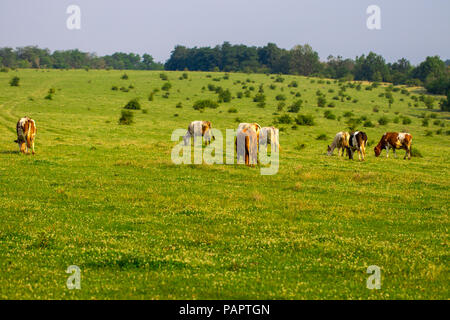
(304, 60)
(372, 68)
(432, 66)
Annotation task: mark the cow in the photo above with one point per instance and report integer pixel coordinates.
(247, 145)
(270, 135)
(340, 142)
(357, 142)
(199, 128)
(256, 127)
(26, 133)
(394, 140)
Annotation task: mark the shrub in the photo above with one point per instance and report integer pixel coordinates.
(4, 70)
(375, 109)
(368, 124)
(14, 82)
(225, 96)
(284, 119)
(126, 117)
(202, 104)
(133, 104)
(163, 76)
(114, 88)
(383, 121)
(331, 105)
(49, 96)
(406, 120)
(304, 120)
(425, 122)
(280, 97)
(124, 77)
(232, 110)
(348, 114)
(321, 101)
(428, 133)
(150, 96)
(166, 86)
(329, 115)
(239, 95)
(179, 105)
(144, 111)
(259, 97)
(322, 136)
(280, 106)
(184, 75)
(279, 79)
(295, 107)
(429, 102)
(293, 84)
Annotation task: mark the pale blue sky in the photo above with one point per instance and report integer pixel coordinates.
(410, 28)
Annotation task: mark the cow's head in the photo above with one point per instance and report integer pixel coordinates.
(377, 150)
(329, 150)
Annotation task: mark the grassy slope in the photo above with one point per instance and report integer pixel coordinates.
(108, 199)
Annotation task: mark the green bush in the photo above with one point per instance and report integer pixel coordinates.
(368, 124)
(322, 136)
(259, 98)
(206, 103)
(383, 121)
(124, 77)
(329, 115)
(133, 104)
(225, 96)
(280, 97)
(232, 110)
(166, 86)
(304, 120)
(295, 107)
(406, 120)
(163, 76)
(14, 82)
(284, 119)
(126, 117)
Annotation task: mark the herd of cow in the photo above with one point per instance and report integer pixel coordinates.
(250, 135)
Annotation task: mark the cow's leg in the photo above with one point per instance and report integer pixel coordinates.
(32, 146)
(387, 151)
(395, 155)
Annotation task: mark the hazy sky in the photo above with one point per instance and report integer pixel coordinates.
(409, 28)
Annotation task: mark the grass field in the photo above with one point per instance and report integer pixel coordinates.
(107, 197)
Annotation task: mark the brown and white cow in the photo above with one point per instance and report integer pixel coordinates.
(256, 127)
(199, 129)
(340, 141)
(26, 133)
(270, 135)
(357, 142)
(394, 140)
(247, 145)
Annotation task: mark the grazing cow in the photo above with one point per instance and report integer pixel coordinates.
(26, 133)
(247, 146)
(256, 127)
(270, 135)
(199, 128)
(340, 142)
(394, 140)
(357, 142)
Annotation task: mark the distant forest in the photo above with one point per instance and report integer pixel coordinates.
(433, 73)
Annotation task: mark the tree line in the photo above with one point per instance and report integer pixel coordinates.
(433, 73)
(34, 57)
